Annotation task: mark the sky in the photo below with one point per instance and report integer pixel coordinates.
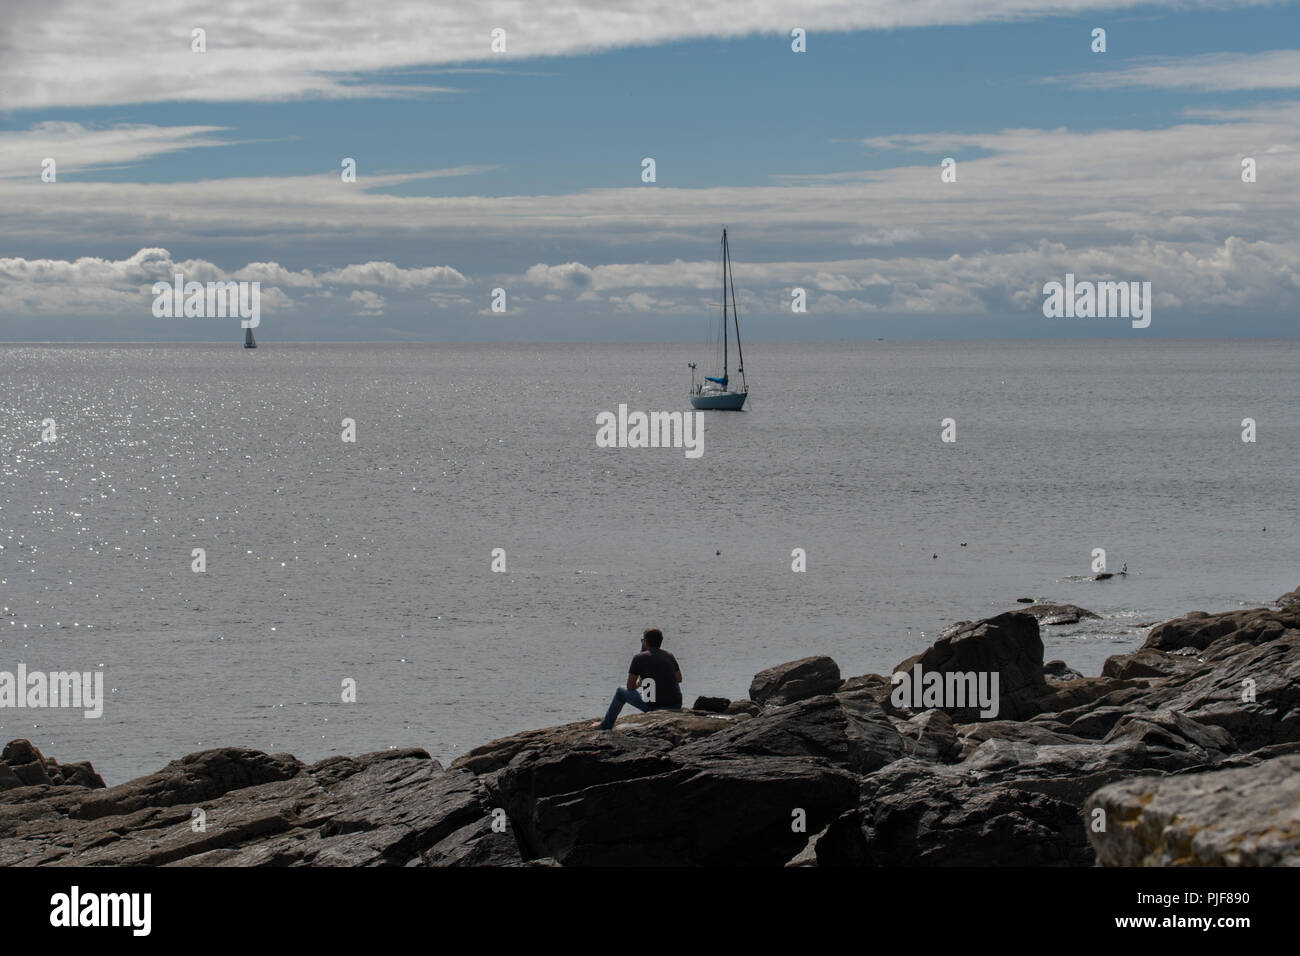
(522, 169)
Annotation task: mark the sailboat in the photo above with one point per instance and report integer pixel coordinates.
(249, 341)
(716, 392)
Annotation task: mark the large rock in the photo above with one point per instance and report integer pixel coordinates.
(796, 680)
(874, 686)
(840, 844)
(237, 807)
(476, 844)
(847, 731)
(656, 731)
(1008, 645)
(1174, 741)
(972, 735)
(1059, 672)
(191, 780)
(712, 705)
(1251, 690)
(1147, 662)
(1068, 694)
(932, 736)
(1092, 721)
(1242, 817)
(1007, 804)
(1200, 630)
(23, 765)
(689, 815)
(670, 798)
(873, 783)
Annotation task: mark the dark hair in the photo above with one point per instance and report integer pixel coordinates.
(654, 637)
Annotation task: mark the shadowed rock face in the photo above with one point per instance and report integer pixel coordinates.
(22, 765)
(1244, 817)
(643, 795)
(1007, 645)
(797, 680)
(712, 705)
(1193, 753)
(390, 808)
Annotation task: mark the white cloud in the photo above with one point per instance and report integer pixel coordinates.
(833, 283)
(644, 302)
(120, 51)
(272, 273)
(448, 300)
(94, 285)
(75, 148)
(368, 302)
(570, 275)
(1234, 274)
(387, 274)
(1209, 72)
(1181, 182)
(1029, 205)
(886, 237)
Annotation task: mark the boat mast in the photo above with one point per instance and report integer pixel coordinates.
(724, 304)
(735, 315)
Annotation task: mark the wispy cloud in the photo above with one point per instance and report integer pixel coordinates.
(1181, 182)
(1208, 72)
(77, 148)
(119, 51)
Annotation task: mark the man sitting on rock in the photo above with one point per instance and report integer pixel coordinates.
(654, 669)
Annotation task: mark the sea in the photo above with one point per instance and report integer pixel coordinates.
(473, 564)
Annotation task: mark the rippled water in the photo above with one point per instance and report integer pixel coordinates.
(371, 560)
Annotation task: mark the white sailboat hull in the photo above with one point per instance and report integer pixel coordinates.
(719, 401)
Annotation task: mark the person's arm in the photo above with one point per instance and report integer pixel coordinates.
(632, 681)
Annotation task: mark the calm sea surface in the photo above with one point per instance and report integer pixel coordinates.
(372, 561)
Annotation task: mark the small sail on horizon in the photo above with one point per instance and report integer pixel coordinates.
(249, 341)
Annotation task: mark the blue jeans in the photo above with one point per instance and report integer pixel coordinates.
(624, 696)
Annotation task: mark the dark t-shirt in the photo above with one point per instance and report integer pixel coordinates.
(661, 667)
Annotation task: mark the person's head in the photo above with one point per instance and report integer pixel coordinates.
(652, 637)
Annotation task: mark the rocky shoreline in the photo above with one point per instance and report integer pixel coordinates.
(1184, 752)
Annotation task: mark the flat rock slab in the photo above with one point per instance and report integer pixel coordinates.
(1199, 630)
(237, 807)
(1244, 817)
(1049, 614)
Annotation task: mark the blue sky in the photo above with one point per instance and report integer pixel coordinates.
(480, 170)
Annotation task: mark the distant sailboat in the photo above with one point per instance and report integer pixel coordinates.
(249, 341)
(715, 392)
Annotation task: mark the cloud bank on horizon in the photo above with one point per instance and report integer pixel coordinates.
(503, 146)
